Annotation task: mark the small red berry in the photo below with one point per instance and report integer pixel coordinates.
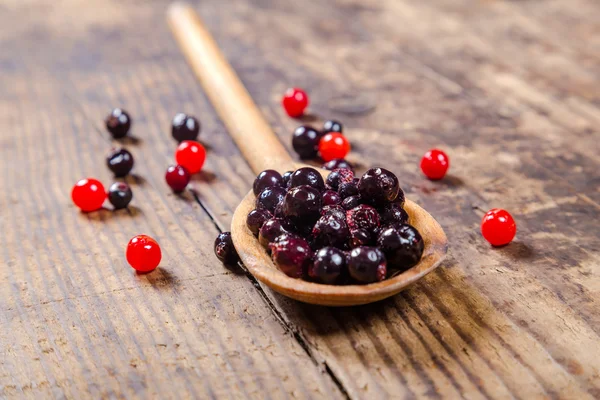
(498, 227)
(435, 164)
(143, 253)
(333, 145)
(177, 178)
(190, 155)
(88, 194)
(295, 102)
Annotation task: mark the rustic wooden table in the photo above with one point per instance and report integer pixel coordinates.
(511, 89)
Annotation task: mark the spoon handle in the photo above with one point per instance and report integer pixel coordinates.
(245, 122)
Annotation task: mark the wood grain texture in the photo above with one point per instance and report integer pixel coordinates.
(509, 89)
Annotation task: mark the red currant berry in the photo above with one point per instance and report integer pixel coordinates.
(498, 227)
(177, 178)
(88, 194)
(190, 155)
(333, 145)
(295, 102)
(435, 164)
(143, 253)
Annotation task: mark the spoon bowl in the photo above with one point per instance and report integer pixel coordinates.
(260, 265)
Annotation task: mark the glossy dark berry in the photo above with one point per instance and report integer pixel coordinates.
(367, 264)
(256, 219)
(225, 250)
(337, 163)
(307, 176)
(143, 253)
(331, 231)
(286, 178)
(265, 179)
(379, 186)
(292, 255)
(120, 195)
(331, 198)
(338, 177)
(177, 178)
(294, 102)
(328, 266)
(185, 127)
(393, 214)
(498, 227)
(332, 126)
(336, 210)
(363, 217)
(302, 203)
(435, 164)
(88, 194)
(351, 202)
(360, 237)
(272, 229)
(305, 141)
(348, 189)
(118, 123)
(190, 155)
(333, 145)
(120, 162)
(270, 197)
(402, 246)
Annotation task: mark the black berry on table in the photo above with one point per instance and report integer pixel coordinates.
(256, 219)
(265, 179)
(292, 255)
(331, 198)
(363, 217)
(119, 195)
(339, 177)
(225, 250)
(307, 176)
(270, 197)
(118, 123)
(379, 186)
(332, 126)
(185, 127)
(328, 266)
(367, 264)
(120, 162)
(272, 229)
(331, 231)
(351, 202)
(337, 163)
(177, 178)
(305, 141)
(403, 246)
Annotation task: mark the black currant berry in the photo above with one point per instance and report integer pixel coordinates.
(225, 250)
(367, 264)
(307, 176)
(379, 186)
(403, 246)
(118, 123)
(328, 266)
(256, 219)
(305, 141)
(185, 127)
(292, 255)
(120, 162)
(119, 195)
(265, 179)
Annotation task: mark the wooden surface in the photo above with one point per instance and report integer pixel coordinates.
(510, 89)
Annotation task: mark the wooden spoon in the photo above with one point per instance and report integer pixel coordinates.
(261, 148)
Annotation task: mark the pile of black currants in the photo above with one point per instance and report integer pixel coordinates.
(344, 230)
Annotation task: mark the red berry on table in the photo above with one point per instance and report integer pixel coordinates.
(295, 102)
(435, 164)
(88, 194)
(177, 178)
(498, 227)
(333, 145)
(143, 253)
(190, 155)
